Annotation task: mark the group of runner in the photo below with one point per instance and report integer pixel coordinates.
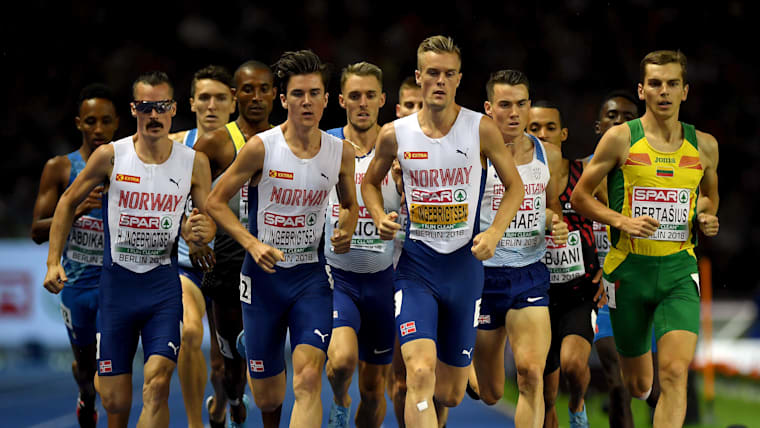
(383, 248)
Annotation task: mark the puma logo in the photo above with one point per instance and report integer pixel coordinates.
(174, 347)
(325, 176)
(175, 182)
(321, 336)
(461, 153)
(467, 352)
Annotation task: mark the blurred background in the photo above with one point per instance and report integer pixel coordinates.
(573, 52)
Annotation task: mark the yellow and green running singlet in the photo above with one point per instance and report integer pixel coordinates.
(662, 185)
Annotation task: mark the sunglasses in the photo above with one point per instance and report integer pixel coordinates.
(148, 106)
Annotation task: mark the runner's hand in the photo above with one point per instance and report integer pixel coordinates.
(55, 278)
(202, 256)
(484, 245)
(708, 224)
(559, 230)
(200, 227)
(600, 297)
(643, 226)
(93, 201)
(341, 241)
(388, 227)
(266, 256)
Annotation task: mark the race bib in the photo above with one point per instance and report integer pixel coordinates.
(85, 243)
(602, 241)
(243, 212)
(668, 206)
(443, 222)
(609, 289)
(365, 235)
(565, 261)
(525, 230)
(297, 236)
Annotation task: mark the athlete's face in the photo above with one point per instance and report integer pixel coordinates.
(663, 89)
(362, 98)
(255, 94)
(439, 78)
(615, 111)
(305, 99)
(545, 124)
(410, 102)
(153, 124)
(213, 104)
(510, 108)
(97, 121)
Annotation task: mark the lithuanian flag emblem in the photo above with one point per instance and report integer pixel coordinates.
(664, 171)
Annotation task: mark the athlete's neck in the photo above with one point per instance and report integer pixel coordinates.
(518, 145)
(152, 150)
(664, 129)
(85, 150)
(437, 123)
(303, 141)
(249, 129)
(365, 140)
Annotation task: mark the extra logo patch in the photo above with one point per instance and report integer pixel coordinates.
(415, 155)
(281, 174)
(127, 178)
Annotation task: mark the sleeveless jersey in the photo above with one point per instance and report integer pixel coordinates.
(291, 198)
(226, 249)
(183, 251)
(662, 185)
(83, 254)
(368, 253)
(443, 181)
(523, 242)
(145, 206)
(577, 258)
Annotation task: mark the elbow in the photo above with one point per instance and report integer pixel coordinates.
(39, 236)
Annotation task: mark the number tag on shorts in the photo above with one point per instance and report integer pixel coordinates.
(245, 288)
(695, 277)
(330, 279)
(477, 313)
(609, 288)
(397, 298)
(97, 345)
(66, 314)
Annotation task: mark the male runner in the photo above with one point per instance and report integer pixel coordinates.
(515, 295)
(443, 150)
(362, 278)
(661, 179)
(255, 93)
(212, 100)
(83, 254)
(148, 178)
(575, 281)
(617, 107)
(291, 170)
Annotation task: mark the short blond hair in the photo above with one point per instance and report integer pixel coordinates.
(361, 69)
(438, 44)
(663, 58)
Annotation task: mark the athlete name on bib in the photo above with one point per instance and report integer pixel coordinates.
(668, 206)
(365, 235)
(144, 239)
(86, 241)
(525, 228)
(295, 235)
(565, 261)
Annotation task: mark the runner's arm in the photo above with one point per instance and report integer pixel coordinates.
(200, 228)
(349, 210)
(707, 204)
(554, 218)
(492, 148)
(52, 185)
(385, 152)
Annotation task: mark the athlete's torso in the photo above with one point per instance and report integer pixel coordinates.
(83, 254)
(291, 198)
(523, 242)
(443, 182)
(662, 185)
(145, 207)
(368, 252)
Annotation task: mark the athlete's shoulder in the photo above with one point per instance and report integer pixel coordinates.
(706, 140)
(178, 136)
(336, 132)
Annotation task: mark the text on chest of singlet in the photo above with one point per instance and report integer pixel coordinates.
(439, 177)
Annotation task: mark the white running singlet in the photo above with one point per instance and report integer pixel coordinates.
(291, 197)
(145, 205)
(524, 241)
(441, 180)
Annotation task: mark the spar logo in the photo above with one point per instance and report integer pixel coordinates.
(415, 155)
(288, 221)
(363, 211)
(281, 174)
(439, 196)
(127, 178)
(89, 223)
(137, 222)
(529, 204)
(661, 195)
(166, 222)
